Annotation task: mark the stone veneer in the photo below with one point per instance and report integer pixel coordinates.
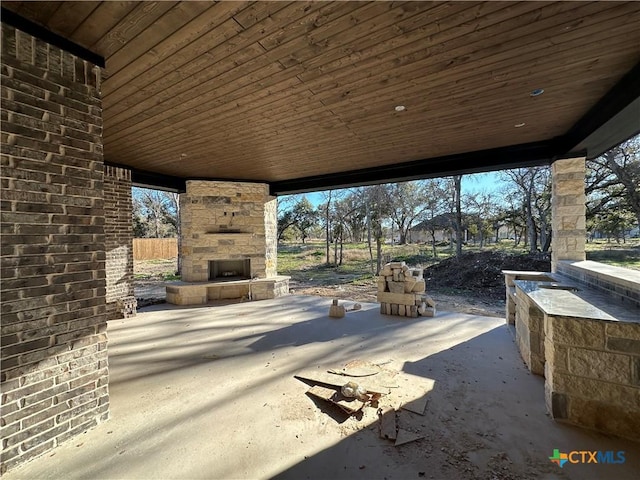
(54, 374)
(118, 232)
(227, 220)
(568, 210)
(592, 374)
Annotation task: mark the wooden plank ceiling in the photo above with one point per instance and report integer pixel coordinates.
(275, 91)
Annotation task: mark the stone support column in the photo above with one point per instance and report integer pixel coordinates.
(568, 211)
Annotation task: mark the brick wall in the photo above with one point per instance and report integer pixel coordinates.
(118, 230)
(54, 372)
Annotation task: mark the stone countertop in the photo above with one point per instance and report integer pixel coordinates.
(581, 303)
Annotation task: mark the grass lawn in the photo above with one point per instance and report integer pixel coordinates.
(306, 261)
(621, 254)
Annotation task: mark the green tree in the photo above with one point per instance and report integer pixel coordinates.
(305, 217)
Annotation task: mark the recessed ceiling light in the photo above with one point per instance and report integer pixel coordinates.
(518, 125)
(536, 92)
(400, 108)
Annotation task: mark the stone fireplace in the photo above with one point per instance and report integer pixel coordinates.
(229, 242)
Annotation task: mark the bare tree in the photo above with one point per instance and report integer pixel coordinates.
(457, 200)
(435, 203)
(613, 179)
(156, 213)
(530, 185)
(406, 202)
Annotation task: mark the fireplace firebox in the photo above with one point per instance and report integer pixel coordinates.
(228, 270)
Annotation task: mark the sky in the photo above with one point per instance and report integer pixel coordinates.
(471, 184)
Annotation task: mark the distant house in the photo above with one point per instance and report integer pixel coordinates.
(443, 227)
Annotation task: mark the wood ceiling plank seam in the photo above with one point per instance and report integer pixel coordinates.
(490, 51)
(445, 79)
(463, 90)
(471, 116)
(128, 111)
(441, 110)
(39, 12)
(69, 16)
(258, 11)
(328, 12)
(139, 49)
(282, 91)
(448, 95)
(199, 63)
(100, 21)
(365, 158)
(140, 99)
(213, 84)
(178, 102)
(371, 48)
(463, 115)
(202, 64)
(442, 31)
(399, 61)
(358, 30)
(173, 91)
(140, 18)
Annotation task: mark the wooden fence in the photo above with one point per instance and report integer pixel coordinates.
(155, 248)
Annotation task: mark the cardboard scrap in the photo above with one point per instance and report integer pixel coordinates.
(350, 406)
(387, 423)
(415, 390)
(405, 436)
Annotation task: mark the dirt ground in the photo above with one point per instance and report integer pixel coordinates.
(474, 284)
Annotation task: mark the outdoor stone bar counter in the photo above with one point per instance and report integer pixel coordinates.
(585, 342)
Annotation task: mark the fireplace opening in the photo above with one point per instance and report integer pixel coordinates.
(228, 270)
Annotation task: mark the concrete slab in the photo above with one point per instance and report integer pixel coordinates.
(208, 392)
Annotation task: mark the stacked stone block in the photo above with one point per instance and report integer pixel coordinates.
(54, 372)
(118, 230)
(401, 292)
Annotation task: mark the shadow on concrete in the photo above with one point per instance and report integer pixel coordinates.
(485, 418)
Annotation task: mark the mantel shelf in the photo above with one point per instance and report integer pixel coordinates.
(230, 234)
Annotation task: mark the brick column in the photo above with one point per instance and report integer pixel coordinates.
(568, 210)
(54, 374)
(118, 229)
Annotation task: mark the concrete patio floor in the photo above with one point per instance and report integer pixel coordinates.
(208, 392)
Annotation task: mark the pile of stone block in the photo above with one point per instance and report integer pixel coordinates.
(127, 306)
(401, 291)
